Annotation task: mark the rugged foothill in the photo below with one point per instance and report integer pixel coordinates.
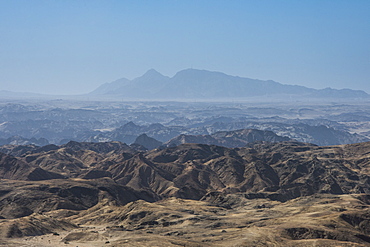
(265, 194)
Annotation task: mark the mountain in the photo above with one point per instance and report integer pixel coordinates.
(12, 168)
(147, 84)
(279, 171)
(147, 142)
(202, 84)
(18, 140)
(231, 139)
(205, 133)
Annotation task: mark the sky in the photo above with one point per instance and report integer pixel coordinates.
(74, 46)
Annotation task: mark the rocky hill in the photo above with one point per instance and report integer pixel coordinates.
(147, 142)
(231, 139)
(206, 133)
(271, 193)
(15, 169)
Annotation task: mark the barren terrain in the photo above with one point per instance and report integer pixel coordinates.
(108, 194)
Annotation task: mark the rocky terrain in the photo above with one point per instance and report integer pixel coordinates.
(231, 139)
(283, 193)
(60, 121)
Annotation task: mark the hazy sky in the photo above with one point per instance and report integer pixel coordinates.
(73, 46)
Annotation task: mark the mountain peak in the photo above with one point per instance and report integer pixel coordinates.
(197, 71)
(152, 73)
(203, 84)
(199, 74)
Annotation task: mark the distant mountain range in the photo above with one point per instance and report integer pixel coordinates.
(202, 84)
(231, 139)
(228, 134)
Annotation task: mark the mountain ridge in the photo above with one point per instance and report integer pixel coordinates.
(204, 84)
(230, 139)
